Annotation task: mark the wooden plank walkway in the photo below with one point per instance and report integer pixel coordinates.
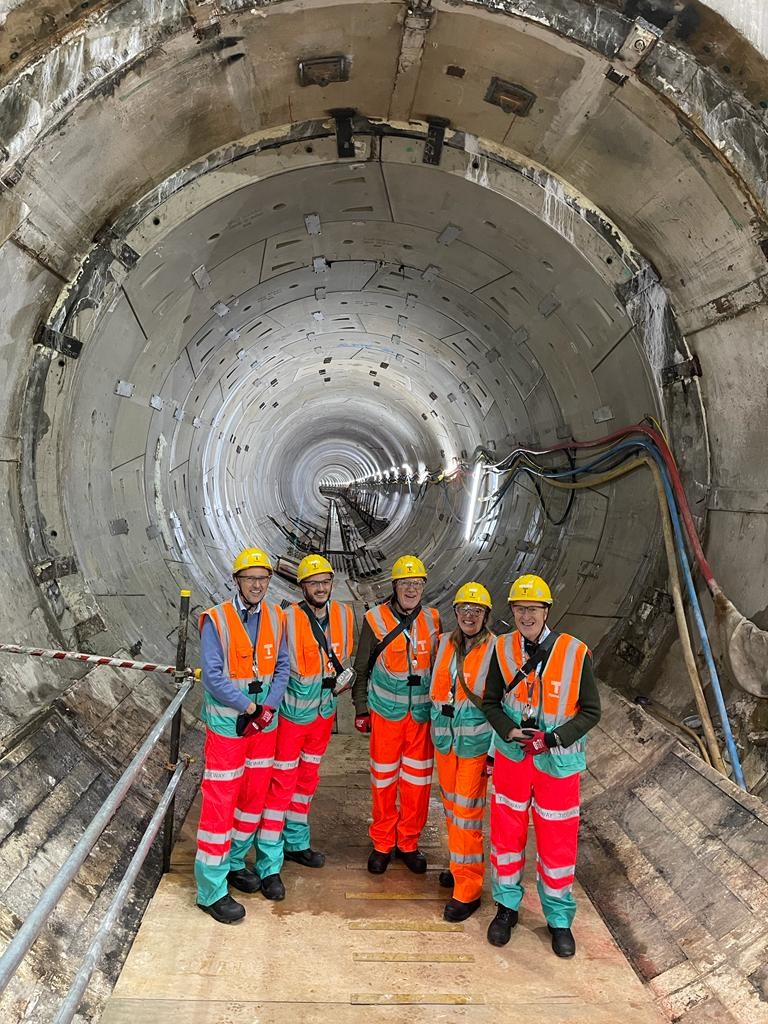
(346, 946)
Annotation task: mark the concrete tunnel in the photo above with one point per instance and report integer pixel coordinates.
(279, 274)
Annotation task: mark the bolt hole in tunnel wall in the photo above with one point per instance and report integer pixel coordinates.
(256, 257)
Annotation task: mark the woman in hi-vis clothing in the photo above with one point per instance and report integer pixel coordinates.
(462, 737)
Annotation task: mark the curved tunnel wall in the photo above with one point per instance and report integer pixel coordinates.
(162, 170)
(615, 177)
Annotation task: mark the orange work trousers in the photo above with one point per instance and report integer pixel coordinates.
(462, 786)
(401, 766)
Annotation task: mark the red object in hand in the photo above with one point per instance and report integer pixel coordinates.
(259, 722)
(488, 767)
(534, 743)
(363, 723)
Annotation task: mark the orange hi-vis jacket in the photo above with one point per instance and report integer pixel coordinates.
(467, 730)
(551, 700)
(411, 653)
(305, 697)
(246, 662)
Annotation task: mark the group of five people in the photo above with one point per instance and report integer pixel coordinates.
(516, 708)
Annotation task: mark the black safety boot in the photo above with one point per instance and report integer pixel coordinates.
(563, 942)
(445, 879)
(309, 858)
(500, 928)
(225, 910)
(414, 860)
(272, 888)
(378, 862)
(456, 911)
(245, 880)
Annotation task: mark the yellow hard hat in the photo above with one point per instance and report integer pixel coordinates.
(473, 593)
(250, 558)
(530, 588)
(311, 565)
(408, 567)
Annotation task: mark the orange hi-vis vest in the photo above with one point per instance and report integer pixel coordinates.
(551, 700)
(305, 697)
(411, 653)
(245, 661)
(467, 730)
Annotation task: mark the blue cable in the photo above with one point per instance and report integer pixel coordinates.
(693, 599)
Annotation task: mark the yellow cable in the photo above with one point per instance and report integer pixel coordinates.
(677, 596)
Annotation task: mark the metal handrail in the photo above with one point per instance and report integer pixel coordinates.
(163, 815)
(26, 935)
(69, 1007)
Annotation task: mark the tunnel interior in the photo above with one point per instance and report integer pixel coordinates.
(280, 274)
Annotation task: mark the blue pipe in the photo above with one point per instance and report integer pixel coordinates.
(642, 442)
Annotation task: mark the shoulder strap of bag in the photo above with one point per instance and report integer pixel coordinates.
(539, 658)
(319, 634)
(477, 701)
(402, 625)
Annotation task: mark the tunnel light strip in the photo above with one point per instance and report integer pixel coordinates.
(470, 523)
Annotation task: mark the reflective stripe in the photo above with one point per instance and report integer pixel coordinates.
(566, 872)
(269, 815)
(507, 858)
(222, 711)
(469, 801)
(270, 835)
(504, 879)
(466, 858)
(416, 780)
(412, 763)
(211, 858)
(246, 815)
(259, 762)
(379, 766)
(448, 797)
(301, 798)
(383, 783)
(515, 805)
(286, 766)
(550, 890)
(219, 775)
(238, 834)
(311, 758)
(297, 702)
(213, 837)
(296, 816)
(379, 691)
(543, 812)
(467, 823)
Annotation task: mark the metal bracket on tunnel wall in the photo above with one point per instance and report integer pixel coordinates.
(683, 371)
(433, 145)
(59, 342)
(345, 144)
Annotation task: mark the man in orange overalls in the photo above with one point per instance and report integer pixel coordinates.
(397, 646)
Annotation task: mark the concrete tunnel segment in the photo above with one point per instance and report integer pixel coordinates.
(148, 141)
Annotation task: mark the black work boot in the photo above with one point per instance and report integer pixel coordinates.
(309, 858)
(245, 880)
(224, 910)
(445, 879)
(500, 928)
(455, 910)
(378, 862)
(563, 942)
(414, 860)
(272, 888)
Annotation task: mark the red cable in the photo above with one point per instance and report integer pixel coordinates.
(677, 486)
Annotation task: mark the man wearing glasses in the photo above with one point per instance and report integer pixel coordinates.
(398, 641)
(541, 699)
(245, 664)
(320, 635)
